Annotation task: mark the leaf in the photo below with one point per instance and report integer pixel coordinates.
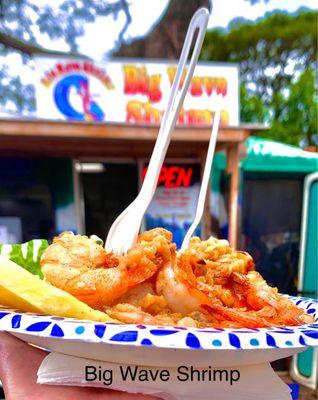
(27, 255)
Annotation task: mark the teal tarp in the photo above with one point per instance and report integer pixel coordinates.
(269, 156)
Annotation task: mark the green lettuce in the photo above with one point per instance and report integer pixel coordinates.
(27, 255)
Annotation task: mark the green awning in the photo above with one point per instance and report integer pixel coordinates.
(268, 156)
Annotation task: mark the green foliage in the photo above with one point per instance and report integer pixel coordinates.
(252, 107)
(272, 52)
(59, 20)
(297, 120)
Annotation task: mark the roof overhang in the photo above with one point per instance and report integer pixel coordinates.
(75, 139)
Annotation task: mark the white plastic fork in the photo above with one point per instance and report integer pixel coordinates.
(205, 179)
(124, 230)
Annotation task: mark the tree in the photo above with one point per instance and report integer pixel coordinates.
(297, 121)
(66, 21)
(167, 37)
(22, 22)
(272, 52)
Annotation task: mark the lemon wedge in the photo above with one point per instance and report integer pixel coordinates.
(27, 292)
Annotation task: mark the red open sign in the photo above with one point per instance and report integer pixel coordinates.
(173, 176)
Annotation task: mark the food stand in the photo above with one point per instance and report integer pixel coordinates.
(104, 119)
(114, 142)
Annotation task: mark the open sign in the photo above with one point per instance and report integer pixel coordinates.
(172, 176)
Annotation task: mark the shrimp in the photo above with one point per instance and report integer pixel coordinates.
(184, 293)
(81, 267)
(257, 292)
(215, 260)
(178, 286)
(266, 300)
(289, 314)
(185, 298)
(247, 319)
(134, 315)
(207, 285)
(137, 294)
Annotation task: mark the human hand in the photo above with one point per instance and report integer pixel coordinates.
(19, 363)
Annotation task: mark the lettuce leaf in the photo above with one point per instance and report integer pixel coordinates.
(27, 255)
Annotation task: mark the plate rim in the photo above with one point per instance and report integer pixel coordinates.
(16, 321)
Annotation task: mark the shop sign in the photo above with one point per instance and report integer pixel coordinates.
(132, 91)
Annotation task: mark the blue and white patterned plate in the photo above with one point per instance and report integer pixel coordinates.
(156, 345)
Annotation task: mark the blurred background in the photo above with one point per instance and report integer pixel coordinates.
(82, 87)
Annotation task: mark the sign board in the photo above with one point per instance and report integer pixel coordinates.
(174, 203)
(132, 91)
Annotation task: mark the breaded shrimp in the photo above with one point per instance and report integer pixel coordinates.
(215, 259)
(81, 267)
(248, 319)
(134, 315)
(178, 286)
(260, 296)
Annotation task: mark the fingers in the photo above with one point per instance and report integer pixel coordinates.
(19, 363)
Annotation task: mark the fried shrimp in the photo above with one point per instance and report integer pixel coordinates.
(134, 315)
(215, 260)
(259, 296)
(243, 317)
(207, 285)
(82, 268)
(178, 286)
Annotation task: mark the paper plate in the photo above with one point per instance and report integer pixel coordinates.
(163, 346)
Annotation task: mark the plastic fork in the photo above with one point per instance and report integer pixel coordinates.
(205, 179)
(124, 230)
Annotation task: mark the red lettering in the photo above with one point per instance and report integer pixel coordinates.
(181, 119)
(163, 175)
(196, 88)
(184, 178)
(131, 80)
(171, 177)
(137, 81)
(88, 67)
(143, 82)
(209, 84)
(221, 87)
(155, 93)
(191, 117)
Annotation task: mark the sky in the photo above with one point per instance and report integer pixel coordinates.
(107, 29)
(100, 37)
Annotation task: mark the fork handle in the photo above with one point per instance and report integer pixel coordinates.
(198, 22)
(139, 206)
(205, 179)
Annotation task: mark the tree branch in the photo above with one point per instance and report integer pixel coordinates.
(125, 8)
(30, 49)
